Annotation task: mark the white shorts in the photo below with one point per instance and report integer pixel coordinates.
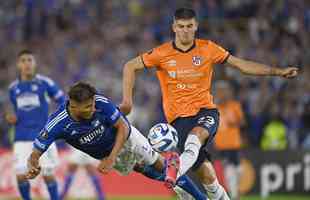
(137, 149)
(80, 158)
(22, 151)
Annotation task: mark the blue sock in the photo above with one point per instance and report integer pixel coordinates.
(24, 189)
(96, 183)
(68, 181)
(188, 185)
(53, 190)
(152, 173)
(183, 182)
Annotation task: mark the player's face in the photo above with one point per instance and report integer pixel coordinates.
(82, 111)
(26, 64)
(185, 30)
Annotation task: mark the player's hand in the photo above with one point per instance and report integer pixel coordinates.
(106, 165)
(289, 72)
(11, 118)
(126, 106)
(33, 168)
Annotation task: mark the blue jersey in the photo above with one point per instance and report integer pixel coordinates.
(95, 136)
(30, 100)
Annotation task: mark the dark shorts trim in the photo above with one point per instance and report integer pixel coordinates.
(205, 118)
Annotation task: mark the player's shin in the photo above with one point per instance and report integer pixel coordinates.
(52, 188)
(96, 182)
(183, 182)
(24, 189)
(67, 183)
(188, 185)
(190, 154)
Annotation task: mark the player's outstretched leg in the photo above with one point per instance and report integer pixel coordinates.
(172, 162)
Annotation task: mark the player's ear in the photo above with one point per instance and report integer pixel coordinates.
(196, 25)
(173, 25)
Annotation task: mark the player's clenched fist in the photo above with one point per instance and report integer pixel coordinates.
(106, 165)
(289, 72)
(33, 168)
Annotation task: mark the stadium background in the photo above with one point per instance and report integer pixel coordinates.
(91, 40)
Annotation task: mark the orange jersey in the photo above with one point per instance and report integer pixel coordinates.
(228, 134)
(185, 77)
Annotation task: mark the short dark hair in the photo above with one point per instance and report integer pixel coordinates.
(81, 92)
(184, 13)
(24, 52)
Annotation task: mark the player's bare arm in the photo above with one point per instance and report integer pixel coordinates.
(33, 164)
(128, 82)
(107, 163)
(254, 68)
(10, 116)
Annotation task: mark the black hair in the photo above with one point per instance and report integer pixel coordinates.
(81, 92)
(24, 52)
(184, 13)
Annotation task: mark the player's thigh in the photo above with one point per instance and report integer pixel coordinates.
(49, 160)
(21, 151)
(208, 119)
(142, 147)
(183, 127)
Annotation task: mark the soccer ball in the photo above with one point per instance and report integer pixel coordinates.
(163, 137)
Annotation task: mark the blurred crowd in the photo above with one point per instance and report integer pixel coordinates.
(92, 39)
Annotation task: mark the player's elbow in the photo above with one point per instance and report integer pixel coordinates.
(133, 65)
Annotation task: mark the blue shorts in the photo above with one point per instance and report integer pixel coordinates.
(205, 118)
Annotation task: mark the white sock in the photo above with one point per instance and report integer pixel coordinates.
(190, 154)
(216, 191)
(232, 180)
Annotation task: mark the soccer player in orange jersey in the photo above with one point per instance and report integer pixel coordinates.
(184, 69)
(228, 139)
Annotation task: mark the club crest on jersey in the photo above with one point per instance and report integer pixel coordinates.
(197, 60)
(34, 87)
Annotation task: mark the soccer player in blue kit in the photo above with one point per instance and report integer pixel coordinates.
(29, 96)
(94, 125)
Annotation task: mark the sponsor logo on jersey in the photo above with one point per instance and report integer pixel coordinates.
(28, 101)
(172, 74)
(97, 133)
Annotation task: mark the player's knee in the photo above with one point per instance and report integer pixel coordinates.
(202, 133)
(21, 178)
(72, 167)
(206, 173)
(90, 169)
